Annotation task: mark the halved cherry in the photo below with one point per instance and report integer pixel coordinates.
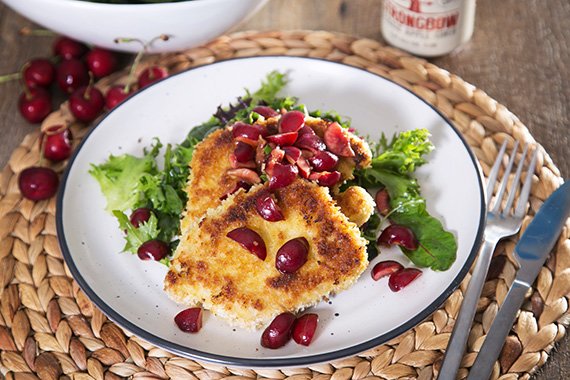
(399, 235)
(239, 185)
(243, 152)
(292, 255)
(326, 178)
(324, 161)
(385, 268)
(282, 175)
(250, 240)
(292, 121)
(336, 141)
(304, 167)
(245, 174)
(382, 199)
(306, 130)
(284, 139)
(267, 208)
(265, 111)
(400, 279)
(292, 154)
(310, 142)
(189, 320)
(276, 156)
(304, 328)
(248, 131)
(237, 165)
(278, 333)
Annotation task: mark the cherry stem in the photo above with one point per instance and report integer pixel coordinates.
(139, 56)
(27, 31)
(10, 77)
(87, 92)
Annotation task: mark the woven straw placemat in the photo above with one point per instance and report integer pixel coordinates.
(50, 330)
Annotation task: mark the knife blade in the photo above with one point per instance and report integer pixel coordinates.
(531, 252)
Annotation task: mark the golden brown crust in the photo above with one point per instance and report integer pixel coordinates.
(356, 204)
(208, 180)
(215, 271)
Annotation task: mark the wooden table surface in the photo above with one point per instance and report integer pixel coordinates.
(519, 55)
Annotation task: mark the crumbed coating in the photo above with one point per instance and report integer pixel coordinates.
(208, 181)
(356, 203)
(212, 270)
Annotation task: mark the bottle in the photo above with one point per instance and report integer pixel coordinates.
(428, 28)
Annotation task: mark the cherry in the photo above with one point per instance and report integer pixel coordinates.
(310, 142)
(265, 111)
(151, 75)
(243, 152)
(86, 103)
(249, 240)
(402, 278)
(337, 142)
(139, 216)
(304, 328)
(292, 121)
(267, 208)
(153, 250)
(326, 178)
(250, 132)
(189, 320)
(304, 167)
(38, 183)
(324, 161)
(278, 333)
(71, 74)
(239, 185)
(385, 268)
(283, 139)
(67, 48)
(282, 175)
(399, 235)
(292, 255)
(101, 62)
(57, 144)
(34, 104)
(116, 95)
(38, 72)
(245, 175)
(382, 199)
(292, 154)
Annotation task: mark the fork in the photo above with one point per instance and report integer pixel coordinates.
(502, 221)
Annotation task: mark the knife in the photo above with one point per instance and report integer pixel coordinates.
(531, 252)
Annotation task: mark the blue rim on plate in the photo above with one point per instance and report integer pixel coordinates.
(267, 362)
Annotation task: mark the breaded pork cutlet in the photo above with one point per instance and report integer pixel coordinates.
(214, 271)
(210, 182)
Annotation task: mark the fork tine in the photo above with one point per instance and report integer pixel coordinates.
(515, 183)
(525, 192)
(495, 171)
(505, 178)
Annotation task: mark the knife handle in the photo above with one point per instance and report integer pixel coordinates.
(500, 328)
(456, 347)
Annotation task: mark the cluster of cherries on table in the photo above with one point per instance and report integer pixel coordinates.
(72, 70)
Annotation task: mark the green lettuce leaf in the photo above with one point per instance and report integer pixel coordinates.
(135, 236)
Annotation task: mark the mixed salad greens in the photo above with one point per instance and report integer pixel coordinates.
(129, 182)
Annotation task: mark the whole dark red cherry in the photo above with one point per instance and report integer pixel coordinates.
(71, 74)
(151, 75)
(34, 104)
(140, 216)
(66, 48)
(38, 183)
(86, 103)
(57, 143)
(116, 95)
(38, 72)
(101, 62)
(153, 250)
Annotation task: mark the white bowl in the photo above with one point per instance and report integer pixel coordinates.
(189, 23)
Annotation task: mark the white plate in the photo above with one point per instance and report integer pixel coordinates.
(129, 291)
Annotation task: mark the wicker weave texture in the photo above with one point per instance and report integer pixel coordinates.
(50, 330)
